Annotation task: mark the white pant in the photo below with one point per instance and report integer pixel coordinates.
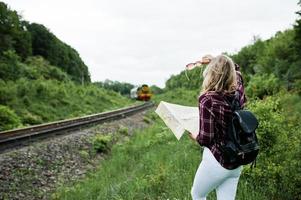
(211, 175)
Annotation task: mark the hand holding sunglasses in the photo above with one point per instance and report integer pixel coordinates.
(205, 60)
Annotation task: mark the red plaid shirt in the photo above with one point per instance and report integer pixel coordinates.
(213, 108)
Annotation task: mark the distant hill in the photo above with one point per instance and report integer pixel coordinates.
(30, 39)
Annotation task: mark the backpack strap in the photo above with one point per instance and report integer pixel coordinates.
(234, 104)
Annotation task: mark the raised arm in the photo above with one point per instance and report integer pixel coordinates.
(240, 87)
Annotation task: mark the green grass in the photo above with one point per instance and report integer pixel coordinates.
(151, 165)
(40, 101)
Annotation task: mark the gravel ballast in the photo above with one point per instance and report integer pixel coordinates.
(35, 171)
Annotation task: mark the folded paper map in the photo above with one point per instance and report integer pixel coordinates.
(179, 118)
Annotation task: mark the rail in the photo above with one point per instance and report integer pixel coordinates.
(14, 137)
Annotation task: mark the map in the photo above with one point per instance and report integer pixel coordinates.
(179, 118)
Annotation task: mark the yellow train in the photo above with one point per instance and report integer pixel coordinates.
(142, 93)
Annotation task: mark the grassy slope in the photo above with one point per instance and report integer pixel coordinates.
(39, 101)
(151, 165)
(34, 92)
(42, 93)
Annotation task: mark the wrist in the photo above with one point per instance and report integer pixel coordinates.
(192, 136)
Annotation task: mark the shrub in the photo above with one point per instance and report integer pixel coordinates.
(84, 155)
(147, 120)
(10, 68)
(8, 92)
(30, 118)
(278, 173)
(8, 119)
(102, 143)
(150, 117)
(123, 130)
(262, 85)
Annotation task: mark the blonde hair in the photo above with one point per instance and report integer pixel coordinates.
(219, 75)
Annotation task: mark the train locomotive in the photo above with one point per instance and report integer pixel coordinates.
(142, 93)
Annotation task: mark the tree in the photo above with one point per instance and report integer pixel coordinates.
(297, 28)
(46, 44)
(10, 68)
(121, 87)
(13, 34)
(156, 90)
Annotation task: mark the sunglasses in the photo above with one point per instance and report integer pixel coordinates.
(191, 66)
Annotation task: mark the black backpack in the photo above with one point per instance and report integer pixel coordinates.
(241, 146)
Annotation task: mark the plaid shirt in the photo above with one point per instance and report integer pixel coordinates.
(215, 115)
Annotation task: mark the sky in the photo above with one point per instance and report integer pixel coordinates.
(147, 41)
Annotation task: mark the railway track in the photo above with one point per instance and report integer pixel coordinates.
(19, 137)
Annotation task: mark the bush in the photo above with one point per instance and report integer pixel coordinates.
(84, 155)
(278, 173)
(147, 120)
(30, 118)
(150, 117)
(8, 119)
(10, 68)
(262, 85)
(102, 143)
(37, 68)
(123, 130)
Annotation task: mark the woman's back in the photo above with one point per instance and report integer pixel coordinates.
(222, 81)
(215, 116)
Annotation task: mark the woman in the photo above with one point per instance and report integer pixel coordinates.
(221, 79)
